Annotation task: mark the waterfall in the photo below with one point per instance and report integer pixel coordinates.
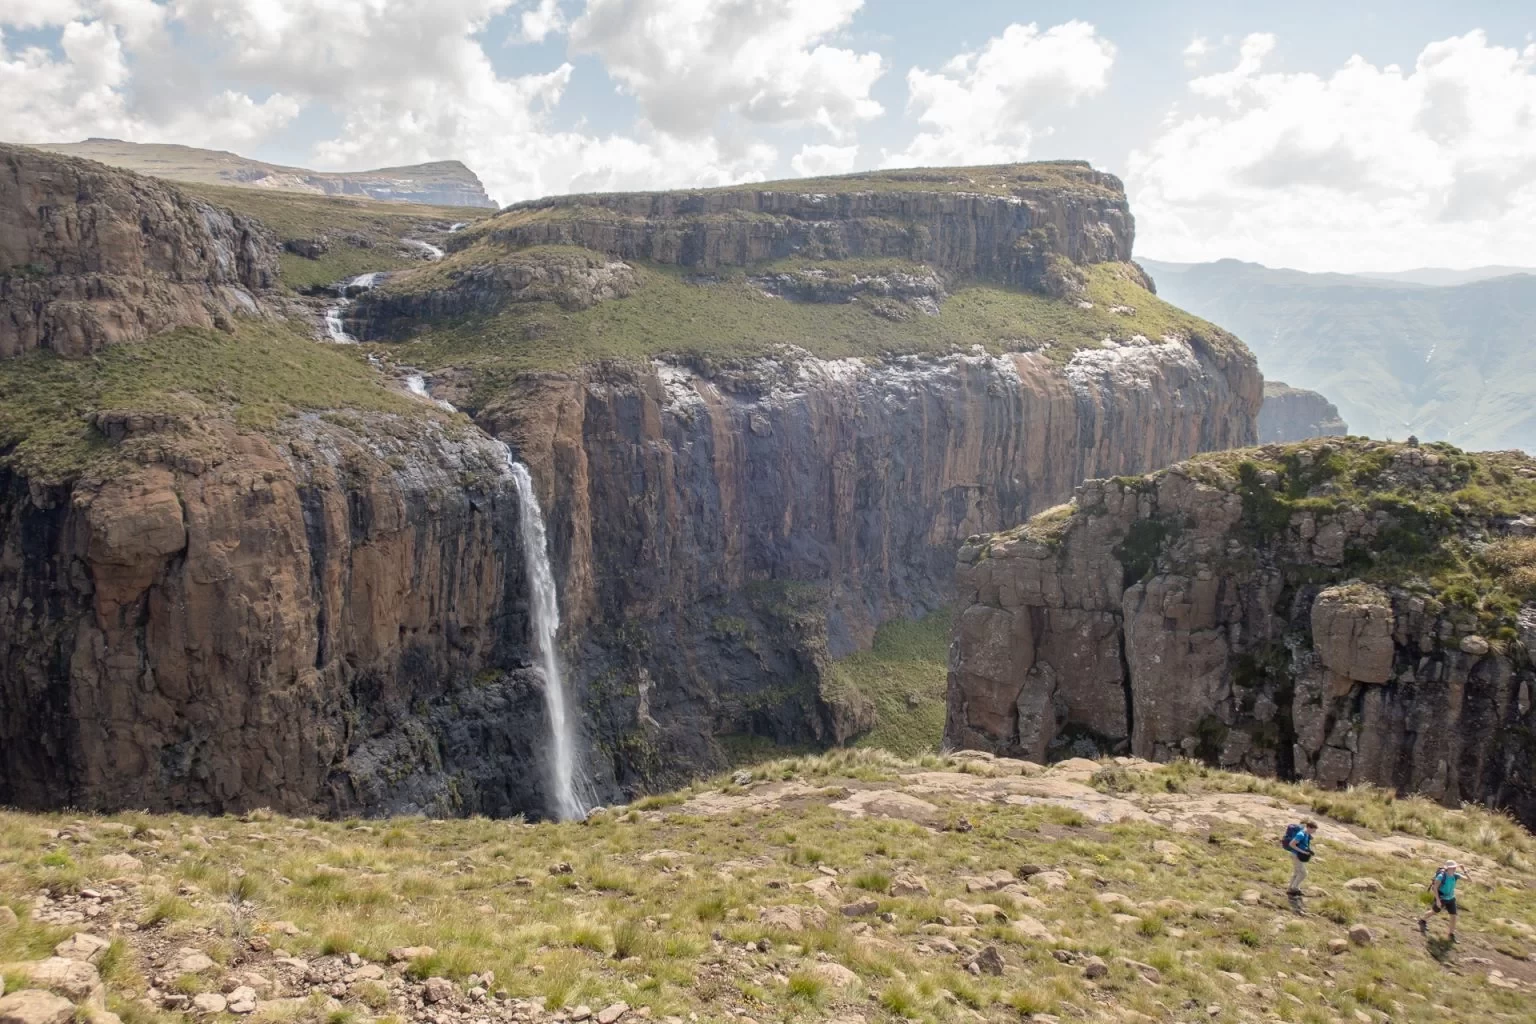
(334, 328)
(431, 251)
(572, 790)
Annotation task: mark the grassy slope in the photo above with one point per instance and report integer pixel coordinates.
(731, 318)
(904, 673)
(257, 375)
(647, 916)
(296, 215)
(1447, 363)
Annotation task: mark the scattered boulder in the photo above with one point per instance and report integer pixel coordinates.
(1051, 879)
(1147, 971)
(438, 990)
(860, 908)
(209, 1002)
(82, 946)
(1095, 967)
(610, 1014)
(31, 1006)
(1337, 946)
(190, 961)
(988, 961)
(1363, 884)
(242, 1000)
(122, 864)
(908, 884)
(835, 975)
(405, 954)
(1475, 646)
(1360, 935)
(75, 979)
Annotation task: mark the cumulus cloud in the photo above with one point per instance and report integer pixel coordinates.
(983, 106)
(540, 21)
(1373, 167)
(398, 81)
(1196, 50)
(815, 161)
(689, 62)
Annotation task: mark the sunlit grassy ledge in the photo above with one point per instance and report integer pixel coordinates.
(851, 886)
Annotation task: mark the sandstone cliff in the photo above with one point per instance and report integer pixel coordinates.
(1295, 414)
(744, 474)
(326, 618)
(91, 256)
(439, 183)
(1350, 612)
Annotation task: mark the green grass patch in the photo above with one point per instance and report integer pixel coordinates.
(905, 675)
(676, 312)
(257, 375)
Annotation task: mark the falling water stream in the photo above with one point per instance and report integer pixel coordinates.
(571, 789)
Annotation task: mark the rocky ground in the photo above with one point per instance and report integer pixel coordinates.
(851, 887)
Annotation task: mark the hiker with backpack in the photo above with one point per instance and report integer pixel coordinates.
(1443, 886)
(1298, 843)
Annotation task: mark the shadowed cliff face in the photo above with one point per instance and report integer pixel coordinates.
(1270, 616)
(327, 612)
(91, 256)
(1295, 414)
(721, 536)
(330, 620)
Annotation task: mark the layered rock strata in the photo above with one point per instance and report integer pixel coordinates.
(1295, 414)
(329, 620)
(90, 256)
(1257, 611)
(1023, 235)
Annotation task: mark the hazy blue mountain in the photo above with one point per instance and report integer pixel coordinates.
(1439, 277)
(1450, 362)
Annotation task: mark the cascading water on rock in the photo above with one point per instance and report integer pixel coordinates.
(572, 789)
(572, 793)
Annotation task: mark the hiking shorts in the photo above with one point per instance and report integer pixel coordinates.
(1449, 906)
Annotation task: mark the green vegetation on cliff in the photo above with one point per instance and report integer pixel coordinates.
(850, 886)
(903, 674)
(257, 374)
(728, 315)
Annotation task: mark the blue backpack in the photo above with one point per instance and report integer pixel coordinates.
(1291, 832)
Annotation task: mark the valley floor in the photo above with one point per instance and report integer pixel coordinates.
(849, 887)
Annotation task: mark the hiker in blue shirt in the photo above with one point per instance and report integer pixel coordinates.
(1298, 843)
(1444, 887)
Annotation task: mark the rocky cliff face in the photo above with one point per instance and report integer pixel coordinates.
(328, 614)
(439, 183)
(330, 619)
(720, 534)
(1295, 414)
(91, 256)
(1017, 233)
(1350, 612)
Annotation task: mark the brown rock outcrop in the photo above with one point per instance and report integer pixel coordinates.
(91, 256)
(1295, 414)
(1217, 610)
(319, 619)
(1009, 234)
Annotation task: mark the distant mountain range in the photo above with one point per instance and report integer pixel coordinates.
(443, 183)
(1441, 354)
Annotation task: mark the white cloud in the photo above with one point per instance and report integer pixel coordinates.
(405, 82)
(815, 161)
(688, 62)
(1369, 167)
(85, 89)
(981, 107)
(1198, 47)
(540, 21)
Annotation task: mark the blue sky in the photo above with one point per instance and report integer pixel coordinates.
(1323, 136)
